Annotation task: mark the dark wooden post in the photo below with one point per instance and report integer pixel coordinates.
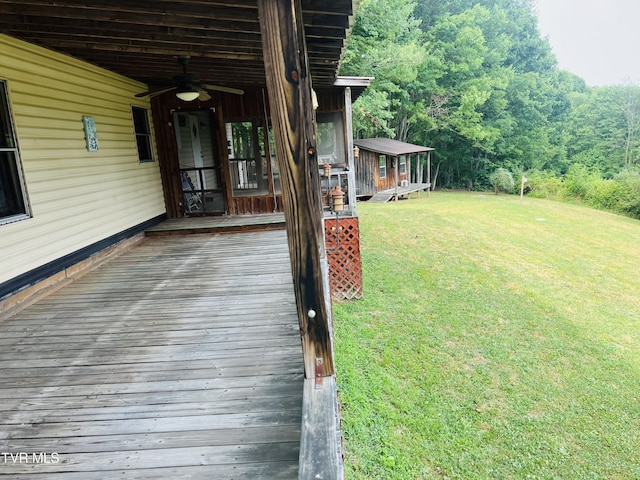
(292, 116)
(429, 174)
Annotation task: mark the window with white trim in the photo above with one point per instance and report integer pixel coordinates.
(402, 166)
(382, 165)
(13, 199)
(143, 133)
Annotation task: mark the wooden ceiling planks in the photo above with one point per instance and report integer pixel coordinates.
(142, 39)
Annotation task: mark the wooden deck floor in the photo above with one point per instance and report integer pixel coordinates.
(179, 359)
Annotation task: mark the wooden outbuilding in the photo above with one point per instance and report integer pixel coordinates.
(387, 168)
(115, 116)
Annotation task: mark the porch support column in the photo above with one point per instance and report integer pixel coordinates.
(292, 116)
(396, 160)
(429, 174)
(351, 177)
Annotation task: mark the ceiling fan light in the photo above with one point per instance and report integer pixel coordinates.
(187, 94)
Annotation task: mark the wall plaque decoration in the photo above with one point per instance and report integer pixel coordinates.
(90, 133)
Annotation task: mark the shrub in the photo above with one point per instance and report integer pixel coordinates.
(620, 194)
(542, 184)
(629, 195)
(577, 181)
(502, 180)
(605, 194)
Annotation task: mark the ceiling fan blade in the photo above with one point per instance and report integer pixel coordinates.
(154, 92)
(204, 96)
(220, 88)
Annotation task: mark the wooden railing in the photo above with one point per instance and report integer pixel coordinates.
(244, 173)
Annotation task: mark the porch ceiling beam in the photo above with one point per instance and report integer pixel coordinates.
(155, 13)
(334, 7)
(245, 43)
(289, 88)
(196, 63)
(66, 40)
(249, 4)
(70, 29)
(205, 30)
(107, 20)
(322, 33)
(226, 72)
(120, 37)
(113, 47)
(133, 9)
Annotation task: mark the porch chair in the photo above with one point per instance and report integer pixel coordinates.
(192, 200)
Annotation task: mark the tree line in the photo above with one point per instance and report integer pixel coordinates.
(476, 80)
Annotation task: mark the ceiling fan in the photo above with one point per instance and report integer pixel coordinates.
(188, 86)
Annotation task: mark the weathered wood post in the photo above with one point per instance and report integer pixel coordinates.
(351, 179)
(292, 116)
(429, 174)
(396, 160)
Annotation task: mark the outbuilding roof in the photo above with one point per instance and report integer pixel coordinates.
(387, 146)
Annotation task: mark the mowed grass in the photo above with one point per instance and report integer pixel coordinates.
(496, 340)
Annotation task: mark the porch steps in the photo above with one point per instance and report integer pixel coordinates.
(382, 197)
(218, 224)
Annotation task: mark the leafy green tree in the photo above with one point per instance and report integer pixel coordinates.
(385, 44)
(604, 128)
(475, 80)
(471, 51)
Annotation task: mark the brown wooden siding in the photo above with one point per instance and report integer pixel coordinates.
(330, 100)
(390, 179)
(366, 173)
(253, 205)
(368, 180)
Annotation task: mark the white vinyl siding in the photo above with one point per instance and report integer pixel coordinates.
(77, 197)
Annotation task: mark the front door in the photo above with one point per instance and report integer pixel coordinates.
(202, 188)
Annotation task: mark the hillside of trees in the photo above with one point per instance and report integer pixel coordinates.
(475, 80)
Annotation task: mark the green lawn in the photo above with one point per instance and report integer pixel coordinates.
(496, 340)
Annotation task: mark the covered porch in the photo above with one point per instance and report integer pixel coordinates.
(145, 152)
(178, 359)
(389, 169)
(397, 192)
